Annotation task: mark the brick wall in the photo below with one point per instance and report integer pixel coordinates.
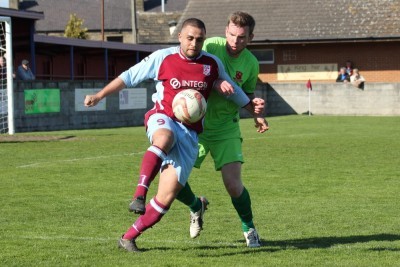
(377, 61)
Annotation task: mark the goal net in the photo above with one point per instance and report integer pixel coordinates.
(6, 79)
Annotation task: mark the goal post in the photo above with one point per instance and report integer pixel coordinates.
(6, 76)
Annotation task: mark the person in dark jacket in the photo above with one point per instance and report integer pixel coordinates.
(343, 76)
(24, 72)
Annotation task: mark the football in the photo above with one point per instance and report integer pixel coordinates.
(189, 106)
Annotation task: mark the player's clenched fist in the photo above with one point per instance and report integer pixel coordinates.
(91, 100)
(258, 104)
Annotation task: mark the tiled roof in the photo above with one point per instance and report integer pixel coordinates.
(57, 13)
(117, 13)
(276, 20)
(169, 5)
(291, 20)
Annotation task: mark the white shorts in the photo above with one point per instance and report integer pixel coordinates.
(183, 153)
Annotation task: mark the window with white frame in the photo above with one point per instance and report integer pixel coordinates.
(264, 56)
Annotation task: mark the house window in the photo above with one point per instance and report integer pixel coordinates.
(264, 56)
(289, 55)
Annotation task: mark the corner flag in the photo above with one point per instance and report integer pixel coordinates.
(309, 86)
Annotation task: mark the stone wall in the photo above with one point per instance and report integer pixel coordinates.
(68, 117)
(154, 27)
(377, 99)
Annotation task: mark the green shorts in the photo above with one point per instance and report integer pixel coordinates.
(223, 152)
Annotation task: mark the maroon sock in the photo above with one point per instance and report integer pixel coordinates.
(154, 212)
(151, 165)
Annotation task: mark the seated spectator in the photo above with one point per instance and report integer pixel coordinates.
(343, 76)
(357, 80)
(349, 67)
(24, 72)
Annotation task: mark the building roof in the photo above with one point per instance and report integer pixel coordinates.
(169, 5)
(8, 12)
(53, 40)
(276, 20)
(302, 20)
(117, 14)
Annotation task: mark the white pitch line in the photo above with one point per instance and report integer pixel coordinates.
(76, 159)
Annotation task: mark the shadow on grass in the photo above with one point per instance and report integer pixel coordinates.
(32, 138)
(329, 241)
(307, 243)
(385, 249)
(290, 244)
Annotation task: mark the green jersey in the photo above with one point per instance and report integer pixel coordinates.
(222, 116)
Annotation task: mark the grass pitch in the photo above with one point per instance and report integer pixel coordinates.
(325, 192)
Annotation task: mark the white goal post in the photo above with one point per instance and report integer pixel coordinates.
(6, 78)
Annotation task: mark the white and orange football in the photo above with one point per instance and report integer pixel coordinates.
(189, 106)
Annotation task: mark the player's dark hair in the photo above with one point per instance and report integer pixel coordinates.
(242, 19)
(194, 23)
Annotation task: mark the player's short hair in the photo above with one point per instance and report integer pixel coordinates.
(194, 23)
(242, 19)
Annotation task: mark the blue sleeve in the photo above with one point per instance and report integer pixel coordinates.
(146, 69)
(239, 97)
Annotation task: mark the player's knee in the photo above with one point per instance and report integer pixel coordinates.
(234, 189)
(163, 139)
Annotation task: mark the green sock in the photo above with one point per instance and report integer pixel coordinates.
(187, 197)
(242, 205)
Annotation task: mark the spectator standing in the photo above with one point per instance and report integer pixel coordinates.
(24, 72)
(357, 80)
(343, 76)
(349, 67)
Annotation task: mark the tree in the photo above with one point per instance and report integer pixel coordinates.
(74, 28)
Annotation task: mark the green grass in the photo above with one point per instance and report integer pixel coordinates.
(325, 192)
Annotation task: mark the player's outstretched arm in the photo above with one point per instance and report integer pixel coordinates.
(114, 86)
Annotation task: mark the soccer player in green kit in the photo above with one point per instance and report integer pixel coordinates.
(221, 136)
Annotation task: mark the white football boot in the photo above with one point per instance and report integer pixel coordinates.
(196, 219)
(252, 238)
